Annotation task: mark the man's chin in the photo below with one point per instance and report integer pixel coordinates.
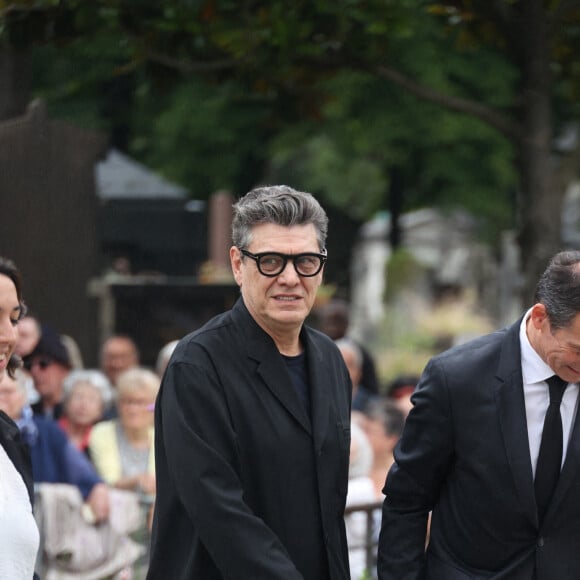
(288, 317)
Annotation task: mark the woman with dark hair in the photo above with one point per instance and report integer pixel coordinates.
(18, 532)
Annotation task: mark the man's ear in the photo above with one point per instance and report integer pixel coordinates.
(539, 316)
(236, 262)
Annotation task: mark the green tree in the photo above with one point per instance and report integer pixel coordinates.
(280, 50)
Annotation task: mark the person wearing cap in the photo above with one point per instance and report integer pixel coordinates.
(49, 365)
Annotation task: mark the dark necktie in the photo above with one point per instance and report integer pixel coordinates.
(550, 456)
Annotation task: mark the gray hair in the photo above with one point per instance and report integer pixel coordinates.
(277, 204)
(164, 356)
(94, 378)
(138, 379)
(347, 344)
(559, 289)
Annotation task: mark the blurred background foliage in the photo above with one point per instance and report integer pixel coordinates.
(370, 104)
(233, 104)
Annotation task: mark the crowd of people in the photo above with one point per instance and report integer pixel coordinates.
(91, 428)
(256, 434)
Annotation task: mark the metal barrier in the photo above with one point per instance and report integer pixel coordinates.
(63, 545)
(142, 536)
(371, 533)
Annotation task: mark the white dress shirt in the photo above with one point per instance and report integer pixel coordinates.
(537, 397)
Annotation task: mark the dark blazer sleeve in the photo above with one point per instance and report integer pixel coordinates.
(422, 459)
(201, 458)
(17, 451)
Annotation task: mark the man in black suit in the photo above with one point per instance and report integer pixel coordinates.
(252, 422)
(473, 453)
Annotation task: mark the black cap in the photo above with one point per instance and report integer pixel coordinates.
(51, 346)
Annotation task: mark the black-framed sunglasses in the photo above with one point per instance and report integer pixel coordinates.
(272, 264)
(41, 363)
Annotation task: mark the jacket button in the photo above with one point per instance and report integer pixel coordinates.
(540, 542)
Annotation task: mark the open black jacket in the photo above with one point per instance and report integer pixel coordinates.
(17, 450)
(464, 453)
(249, 486)
(18, 453)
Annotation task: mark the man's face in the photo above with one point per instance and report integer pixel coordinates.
(84, 405)
(48, 376)
(279, 304)
(134, 408)
(559, 349)
(118, 355)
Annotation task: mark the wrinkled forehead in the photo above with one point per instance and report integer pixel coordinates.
(284, 239)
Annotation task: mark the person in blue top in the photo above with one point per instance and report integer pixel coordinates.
(54, 458)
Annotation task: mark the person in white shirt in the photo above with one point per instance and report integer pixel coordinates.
(492, 447)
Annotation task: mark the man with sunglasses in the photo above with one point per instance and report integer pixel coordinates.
(49, 364)
(252, 419)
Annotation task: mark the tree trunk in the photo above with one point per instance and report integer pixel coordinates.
(541, 202)
(395, 205)
(15, 81)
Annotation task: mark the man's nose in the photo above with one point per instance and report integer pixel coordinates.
(289, 275)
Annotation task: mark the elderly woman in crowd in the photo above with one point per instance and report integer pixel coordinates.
(87, 394)
(54, 458)
(122, 449)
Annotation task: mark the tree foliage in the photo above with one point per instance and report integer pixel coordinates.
(459, 95)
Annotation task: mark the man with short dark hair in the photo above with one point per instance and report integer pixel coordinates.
(492, 446)
(252, 422)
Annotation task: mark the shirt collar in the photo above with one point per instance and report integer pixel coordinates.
(534, 369)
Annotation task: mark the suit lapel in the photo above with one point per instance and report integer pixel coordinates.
(512, 416)
(274, 373)
(319, 389)
(270, 365)
(512, 413)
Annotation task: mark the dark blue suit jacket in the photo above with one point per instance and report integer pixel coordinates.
(465, 455)
(56, 460)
